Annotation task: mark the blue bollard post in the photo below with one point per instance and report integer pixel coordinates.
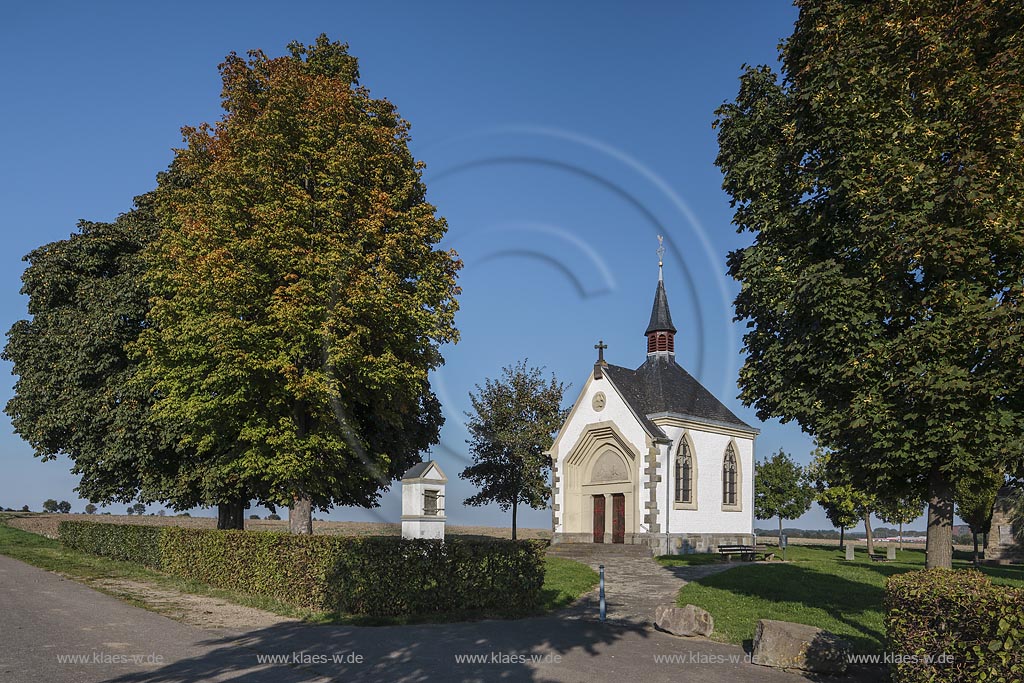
(601, 567)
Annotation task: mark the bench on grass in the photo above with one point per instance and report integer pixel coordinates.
(746, 552)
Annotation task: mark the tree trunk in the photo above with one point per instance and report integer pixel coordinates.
(867, 532)
(780, 529)
(231, 515)
(300, 516)
(300, 513)
(515, 507)
(901, 535)
(842, 538)
(973, 533)
(940, 522)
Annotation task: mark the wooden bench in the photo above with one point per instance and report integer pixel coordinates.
(747, 552)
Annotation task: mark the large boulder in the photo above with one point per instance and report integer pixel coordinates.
(683, 621)
(785, 645)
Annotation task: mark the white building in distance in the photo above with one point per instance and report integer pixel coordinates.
(423, 501)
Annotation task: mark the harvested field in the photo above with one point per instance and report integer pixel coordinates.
(46, 525)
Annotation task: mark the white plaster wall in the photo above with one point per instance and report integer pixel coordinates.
(616, 410)
(420, 528)
(709, 454)
(412, 498)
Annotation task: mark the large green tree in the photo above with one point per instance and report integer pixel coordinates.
(511, 427)
(882, 179)
(781, 489)
(75, 394)
(300, 299)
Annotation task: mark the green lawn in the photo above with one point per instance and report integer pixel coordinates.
(564, 580)
(690, 560)
(816, 586)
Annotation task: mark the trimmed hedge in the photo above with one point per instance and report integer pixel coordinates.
(390, 577)
(293, 569)
(129, 542)
(946, 625)
(375, 576)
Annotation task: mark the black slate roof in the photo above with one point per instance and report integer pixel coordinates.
(661, 317)
(660, 385)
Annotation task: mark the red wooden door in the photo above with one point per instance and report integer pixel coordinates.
(618, 518)
(598, 519)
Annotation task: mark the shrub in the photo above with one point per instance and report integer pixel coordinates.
(274, 517)
(287, 567)
(946, 625)
(366, 576)
(380, 577)
(391, 576)
(119, 541)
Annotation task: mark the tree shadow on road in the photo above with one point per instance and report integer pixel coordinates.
(486, 650)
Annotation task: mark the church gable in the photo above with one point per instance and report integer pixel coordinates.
(599, 402)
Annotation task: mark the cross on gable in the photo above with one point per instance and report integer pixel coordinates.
(600, 346)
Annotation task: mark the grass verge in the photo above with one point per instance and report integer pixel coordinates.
(95, 571)
(815, 586)
(564, 581)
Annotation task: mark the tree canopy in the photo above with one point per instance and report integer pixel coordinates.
(75, 393)
(511, 429)
(881, 178)
(781, 489)
(299, 297)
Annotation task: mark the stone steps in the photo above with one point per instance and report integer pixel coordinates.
(595, 551)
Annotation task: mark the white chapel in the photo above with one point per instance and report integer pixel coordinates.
(649, 456)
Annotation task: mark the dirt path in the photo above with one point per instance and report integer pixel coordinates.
(195, 610)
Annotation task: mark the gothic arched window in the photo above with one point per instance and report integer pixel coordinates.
(684, 473)
(729, 469)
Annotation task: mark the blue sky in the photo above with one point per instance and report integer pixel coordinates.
(560, 139)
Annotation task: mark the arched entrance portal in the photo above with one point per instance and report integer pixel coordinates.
(601, 495)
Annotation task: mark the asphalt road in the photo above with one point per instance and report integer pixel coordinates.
(59, 631)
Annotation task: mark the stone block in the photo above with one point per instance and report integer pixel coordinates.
(683, 621)
(890, 552)
(849, 551)
(784, 645)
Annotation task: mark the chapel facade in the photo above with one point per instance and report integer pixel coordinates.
(649, 456)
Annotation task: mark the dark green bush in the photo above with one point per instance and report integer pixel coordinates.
(131, 542)
(293, 569)
(366, 576)
(391, 576)
(946, 625)
(381, 577)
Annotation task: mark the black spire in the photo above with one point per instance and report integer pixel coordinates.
(661, 318)
(661, 332)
